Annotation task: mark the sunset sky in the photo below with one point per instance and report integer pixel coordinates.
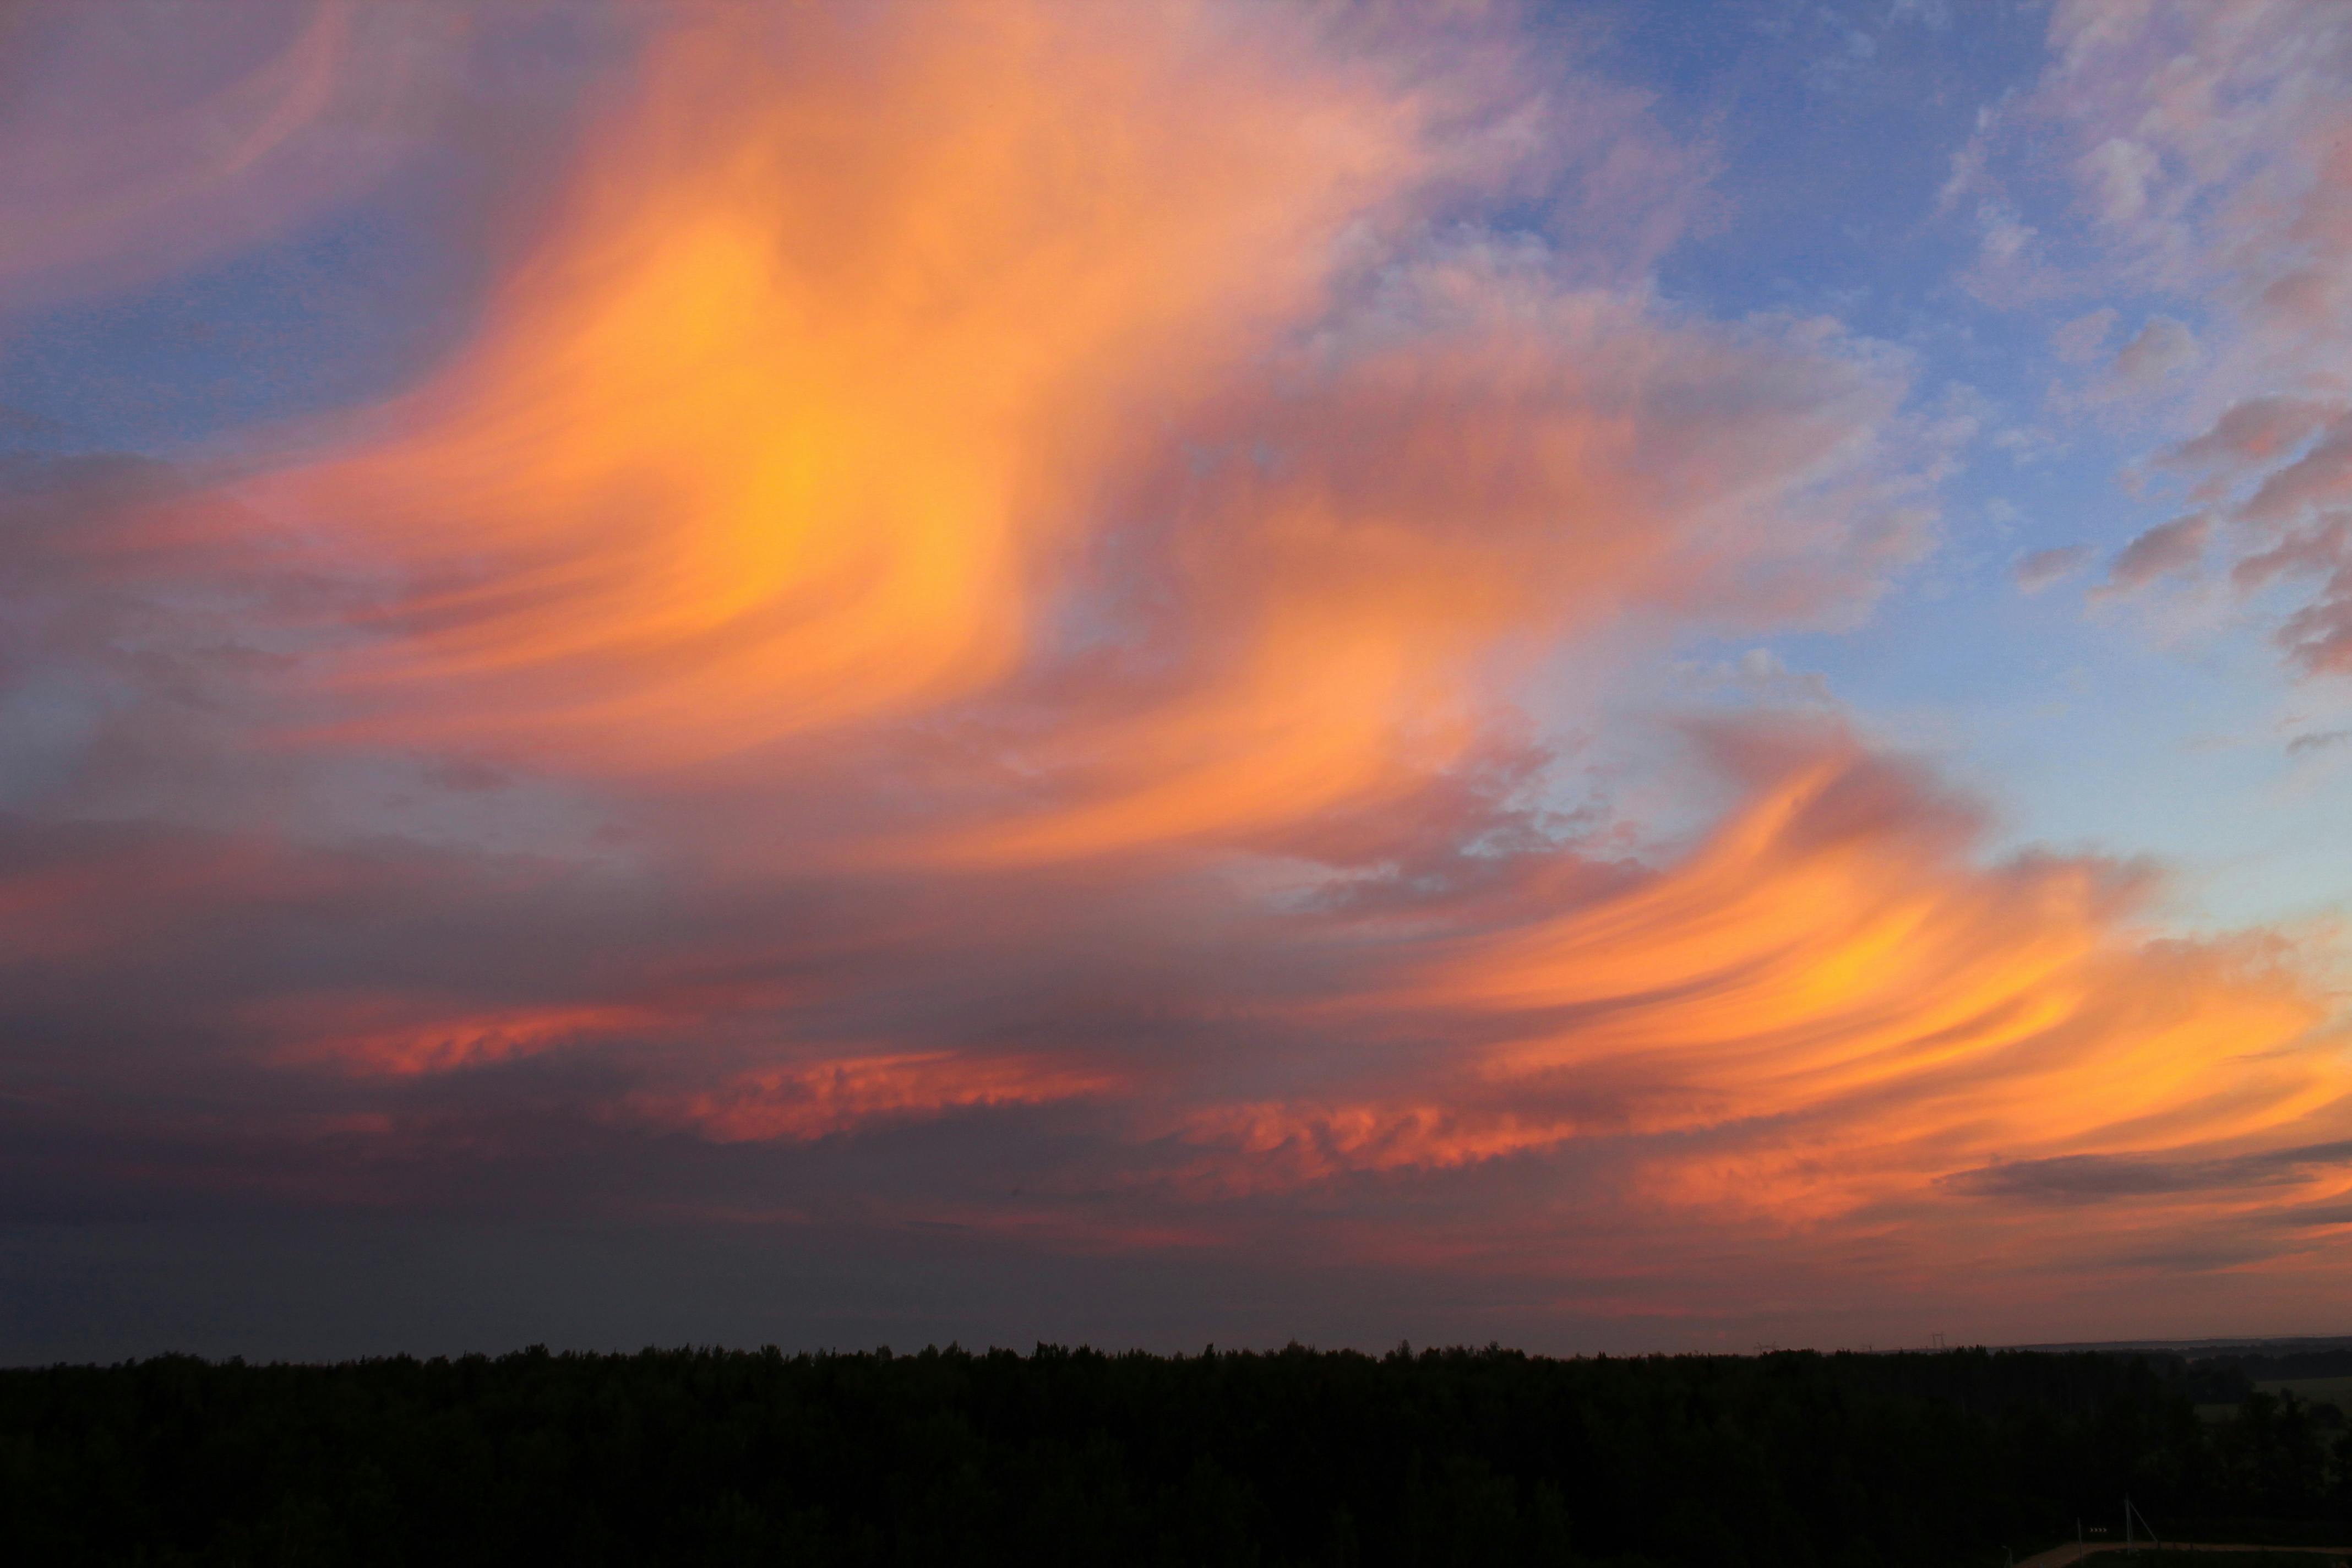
(1608, 676)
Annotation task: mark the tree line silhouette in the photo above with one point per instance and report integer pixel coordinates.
(1298, 1457)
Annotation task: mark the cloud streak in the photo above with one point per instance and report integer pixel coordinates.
(989, 630)
(2217, 163)
(145, 138)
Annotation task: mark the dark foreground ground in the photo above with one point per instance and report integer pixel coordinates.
(1070, 1457)
(2189, 1557)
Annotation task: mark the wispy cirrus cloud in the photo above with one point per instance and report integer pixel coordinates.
(2039, 569)
(2210, 162)
(146, 138)
(1005, 592)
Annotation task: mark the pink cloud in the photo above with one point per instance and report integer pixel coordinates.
(2043, 568)
(2161, 349)
(2079, 341)
(1016, 578)
(146, 139)
(2217, 156)
(405, 1036)
(2168, 550)
(2256, 432)
(855, 1093)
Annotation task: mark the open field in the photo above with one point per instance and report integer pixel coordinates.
(2335, 1391)
(2115, 1554)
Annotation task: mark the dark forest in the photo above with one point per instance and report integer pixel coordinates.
(1456, 1457)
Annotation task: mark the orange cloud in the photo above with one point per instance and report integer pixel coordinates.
(818, 1099)
(384, 1033)
(1053, 359)
(1276, 1146)
(1831, 1004)
(1021, 444)
(820, 368)
(1499, 470)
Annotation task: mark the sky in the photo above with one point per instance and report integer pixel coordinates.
(1607, 676)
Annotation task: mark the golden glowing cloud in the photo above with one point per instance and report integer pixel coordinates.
(838, 392)
(1448, 506)
(821, 364)
(951, 506)
(1834, 1004)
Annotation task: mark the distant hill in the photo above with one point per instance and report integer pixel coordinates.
(2197, 1349)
